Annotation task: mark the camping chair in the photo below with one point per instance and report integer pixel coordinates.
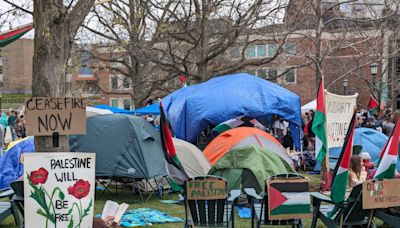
(206, 211)
(349, 213)
(259, 206)
(8, 208)
(387, 218)
(18, 200)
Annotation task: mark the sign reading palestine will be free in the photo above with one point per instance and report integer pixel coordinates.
(45, 116)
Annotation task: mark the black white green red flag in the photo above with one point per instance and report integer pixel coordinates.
(318, 126)
(341, 173)
(174, 167)
(389, 155)
(11, 36)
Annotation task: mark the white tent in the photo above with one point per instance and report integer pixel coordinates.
(192, 158)
(312, 105)
(91, 111)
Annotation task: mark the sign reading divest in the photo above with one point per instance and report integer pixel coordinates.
(45, 116)
(381, 194)
(339, 111)
(206, 189)
(59, 189)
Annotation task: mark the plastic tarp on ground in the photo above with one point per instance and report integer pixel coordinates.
(114, 109)
(125, 146)
(242, 137)
(11, 168)
(153, 109)
(249, 167)
(191, 109)
(191, 158)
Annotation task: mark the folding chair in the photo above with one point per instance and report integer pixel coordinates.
(18, 199)
(260, 209)
(348, 213)
(209, 210)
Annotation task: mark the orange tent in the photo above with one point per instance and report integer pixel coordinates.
(241, 137)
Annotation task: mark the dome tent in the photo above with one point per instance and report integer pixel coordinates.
(125, 146)
(249, 167)
(191, 158)
(241, 137)
(191, 109)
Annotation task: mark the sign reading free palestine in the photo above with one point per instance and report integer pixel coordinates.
(59, 189)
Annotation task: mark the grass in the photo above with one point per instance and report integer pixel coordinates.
(175, 210)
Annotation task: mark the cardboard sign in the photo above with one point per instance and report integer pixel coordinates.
(339, 111)
(288, 198)
(59, 189)
(381, 194)
(45, 116)
(206, 189)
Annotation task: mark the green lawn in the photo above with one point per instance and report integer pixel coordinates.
(135, 202)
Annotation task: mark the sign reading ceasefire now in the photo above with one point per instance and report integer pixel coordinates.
(45, 116)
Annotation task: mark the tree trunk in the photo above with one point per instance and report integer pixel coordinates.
(202, 71)
(55, 28)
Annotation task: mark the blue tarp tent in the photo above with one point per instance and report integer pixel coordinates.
(114, 109)
(153, 109)
(11, 168)
(372, 141)
(191, 109)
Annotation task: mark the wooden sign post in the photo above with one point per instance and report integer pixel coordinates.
(55, 116)
(59, 189)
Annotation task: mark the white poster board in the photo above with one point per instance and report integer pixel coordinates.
(59, 189)
(339, 111)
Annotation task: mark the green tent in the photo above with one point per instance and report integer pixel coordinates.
(249, 167)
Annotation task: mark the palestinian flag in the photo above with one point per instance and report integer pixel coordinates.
(174, 167)
(341, 173)
(318, 126)
(13, 35)
(388, 157)
(227, 125)
(185, 81)
(288, 200)
(373, 106)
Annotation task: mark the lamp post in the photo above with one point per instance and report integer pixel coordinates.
(374, 72)
(345, 84)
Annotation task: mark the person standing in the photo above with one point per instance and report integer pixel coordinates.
(11, 123)
(2, 130)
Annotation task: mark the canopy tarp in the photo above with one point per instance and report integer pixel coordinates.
(191, 109)
(92, 111)
(312, 105)
(191, 158)
(11, 168)
(153, 109)
(113, 109)
(249, 167)
(125, 146)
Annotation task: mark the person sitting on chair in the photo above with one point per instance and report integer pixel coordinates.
(358, 174)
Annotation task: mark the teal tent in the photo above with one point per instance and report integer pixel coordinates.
(125, 146)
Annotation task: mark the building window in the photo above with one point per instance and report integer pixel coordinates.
(272, 49)
(262, 73)
(290, 76)
(290, 48)
(235, 52)
(85, 65)
(1, 69)
(126, 83)
(114, 103)
(272, 74)
(251, 52)
(114, 83)
(252, 72)
(127, 104)
(261, 51)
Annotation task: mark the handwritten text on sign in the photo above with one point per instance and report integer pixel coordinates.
(339, 110)
(206, 189)
(381, 194)
(59, 189)
(45, 116)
